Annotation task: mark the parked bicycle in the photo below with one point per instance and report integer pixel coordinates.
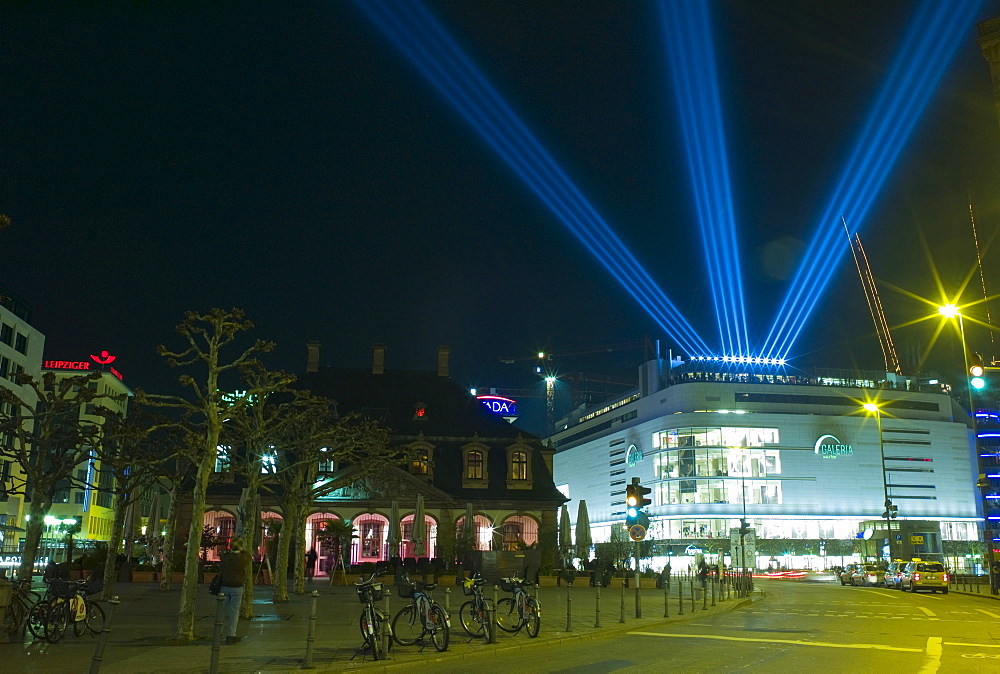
(423, 616)
(476, 615)
(16, 616)
(66, 603)
(519, 610)
(374, 622)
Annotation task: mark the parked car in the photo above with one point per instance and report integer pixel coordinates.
(866, 575)
(846, 573)
(924, 575)
(890, 579)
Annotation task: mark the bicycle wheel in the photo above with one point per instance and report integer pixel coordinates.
(37, 617)
(471, 618)
(508, 619)
(95, 617)
(532, 616)
(56, 621)
(439, 627)
(13, 619)
(406, 626)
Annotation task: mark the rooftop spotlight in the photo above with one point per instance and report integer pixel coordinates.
(428, 46)
(948, 311)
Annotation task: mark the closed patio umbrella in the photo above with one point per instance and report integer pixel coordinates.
(419, 535)
(583, 537)
(392, 538)
(565, 533)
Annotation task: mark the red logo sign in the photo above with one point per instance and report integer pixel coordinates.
(104, 359)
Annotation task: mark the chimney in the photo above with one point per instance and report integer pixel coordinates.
(443, 353)
(312, 356)
(378, 358)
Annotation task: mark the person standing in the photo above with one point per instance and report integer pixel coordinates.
(233, 573)
(310, 563)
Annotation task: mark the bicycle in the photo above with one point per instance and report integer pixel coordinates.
(421, 617)
(66, 602)
(374, 623)
(476, 615)
(520, 610)
(16, 616)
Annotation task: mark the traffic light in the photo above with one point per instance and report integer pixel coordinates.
(976, 371)
(890, 510)
(635, 501)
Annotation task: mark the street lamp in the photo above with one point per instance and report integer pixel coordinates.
(951, 311)
(889, 513)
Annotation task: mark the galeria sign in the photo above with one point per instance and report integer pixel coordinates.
(830, 447)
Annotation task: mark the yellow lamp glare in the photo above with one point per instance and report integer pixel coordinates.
(871, 407)
(948, 311)
(976, 370)
(632, 501)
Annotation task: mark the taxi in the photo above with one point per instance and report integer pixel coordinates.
(919, 574)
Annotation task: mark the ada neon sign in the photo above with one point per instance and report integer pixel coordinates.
(499, 404)
(830, 447)
(104, 359)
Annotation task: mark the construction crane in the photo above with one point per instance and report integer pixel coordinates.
(874, 302)
(543, 368)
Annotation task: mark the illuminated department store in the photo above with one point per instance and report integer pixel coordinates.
(796, 455)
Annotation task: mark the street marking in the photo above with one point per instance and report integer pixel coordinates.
(793, 642)
(927, 611)
(989, 613)
(962, 643)
(934, 649)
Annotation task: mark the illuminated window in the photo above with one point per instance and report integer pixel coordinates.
(269, 462)
(474, 465)
(419, 465)
(519, 466)
(222, 459)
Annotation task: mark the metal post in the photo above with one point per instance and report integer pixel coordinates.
(311, 633)
(666, 596)
(692, 594)
(569, 606)
(638, 606)
(597, 622)
(447, 600)
(622, 618)
(680, 596)
(715, 582)
(213, 668)
(95, 663)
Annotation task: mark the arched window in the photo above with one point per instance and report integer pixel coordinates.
(474, 465)
(519, 465)
(518, 532)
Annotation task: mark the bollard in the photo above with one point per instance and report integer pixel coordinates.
(447, 600)
(704, 595)
(622, 618)
(386, 629)
(715, 582)
(666, 597)
(680, 597)
(95, 663)
(213, 668)
(569, 606)
(496, 600)
(692, 594)
(597, 621)
(311, 632)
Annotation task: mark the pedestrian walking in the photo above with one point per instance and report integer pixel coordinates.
(233, 573)
(310, 563)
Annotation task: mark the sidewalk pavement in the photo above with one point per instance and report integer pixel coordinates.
(275, 640)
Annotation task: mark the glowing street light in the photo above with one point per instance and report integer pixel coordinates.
(890, 510)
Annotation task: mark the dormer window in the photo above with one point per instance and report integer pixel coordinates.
(519, 465)
(475, 465)
(519, 474)
(421, 458)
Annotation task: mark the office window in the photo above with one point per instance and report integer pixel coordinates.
(21, 343)
(7, 334)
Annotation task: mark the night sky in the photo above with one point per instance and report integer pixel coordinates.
(286, 159)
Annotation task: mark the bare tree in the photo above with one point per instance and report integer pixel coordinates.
(48, 440)
(208, 337)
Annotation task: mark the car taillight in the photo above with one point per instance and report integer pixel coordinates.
(944, 577)
(916, 576)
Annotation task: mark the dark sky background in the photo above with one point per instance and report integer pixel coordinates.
(285, 159)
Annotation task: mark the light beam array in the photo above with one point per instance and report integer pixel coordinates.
(687, 33)
(415, 32)
(928, 46)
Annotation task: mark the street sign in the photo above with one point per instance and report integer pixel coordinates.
(917, 540)
(637, 532)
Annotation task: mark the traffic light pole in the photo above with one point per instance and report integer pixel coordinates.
(638, 606)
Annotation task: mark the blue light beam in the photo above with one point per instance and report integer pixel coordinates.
(687, 33)
(932, 37)
(418, 35)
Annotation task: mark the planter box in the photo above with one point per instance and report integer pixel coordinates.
(144, 576)
(209, 577)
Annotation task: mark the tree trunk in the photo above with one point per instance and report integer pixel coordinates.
(169, 540)
(301, 515)
(114, 545)
(189, 587)
(32, 537)
(250, 540)
(280, 578)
